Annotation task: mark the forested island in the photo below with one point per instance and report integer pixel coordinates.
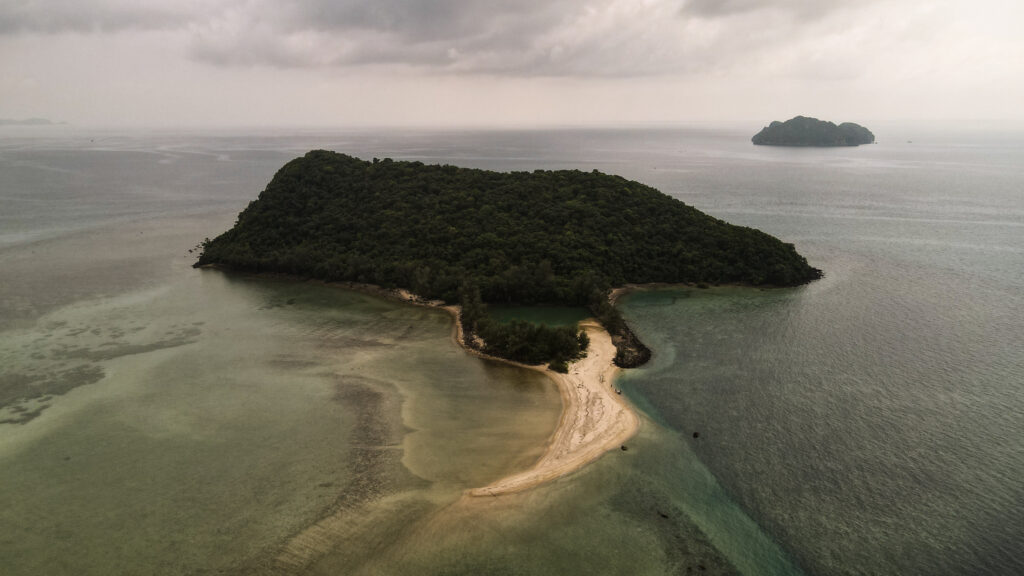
(472, 236)
(804, 131)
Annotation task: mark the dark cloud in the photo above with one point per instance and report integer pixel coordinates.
(577, 38)
(725, 8)
(598, 38)
(57, 16)
(510, 37)
(434, 33)
(421, 21)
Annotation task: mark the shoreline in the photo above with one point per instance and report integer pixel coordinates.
(616, 293)
(595, 417)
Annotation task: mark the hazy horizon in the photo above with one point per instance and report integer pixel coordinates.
(508, 63)
(891, 132)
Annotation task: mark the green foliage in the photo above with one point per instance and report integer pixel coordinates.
(522, 237)
(477, 236)
(583, 342)
(605, 313)
(804, 131)
(531, 343)
(474, 311)
(520, 341)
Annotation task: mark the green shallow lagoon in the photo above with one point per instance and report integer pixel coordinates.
(238, 424)
(229, 414)
(239, 420)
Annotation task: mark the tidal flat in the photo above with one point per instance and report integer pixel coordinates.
(279, 404)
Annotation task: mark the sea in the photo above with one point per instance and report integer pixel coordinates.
(160, 419)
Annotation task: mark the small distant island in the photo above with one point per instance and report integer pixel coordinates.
(804, 131)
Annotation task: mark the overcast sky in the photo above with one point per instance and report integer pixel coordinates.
(508, 62)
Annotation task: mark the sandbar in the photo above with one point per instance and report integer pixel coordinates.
(595, 418)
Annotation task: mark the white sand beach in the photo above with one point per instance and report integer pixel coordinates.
(595, 418)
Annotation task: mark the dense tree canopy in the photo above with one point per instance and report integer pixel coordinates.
(804, 131)
(526, 237)
(518, 340)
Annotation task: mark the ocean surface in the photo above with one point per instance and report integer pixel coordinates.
(157, 419)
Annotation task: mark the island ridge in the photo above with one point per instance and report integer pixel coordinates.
(804, 131)
(476, 236)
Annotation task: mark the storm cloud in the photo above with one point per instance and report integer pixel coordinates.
(90, 16)
(508, 37)
(521, 38)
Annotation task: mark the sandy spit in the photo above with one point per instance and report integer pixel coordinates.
(595, 418)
